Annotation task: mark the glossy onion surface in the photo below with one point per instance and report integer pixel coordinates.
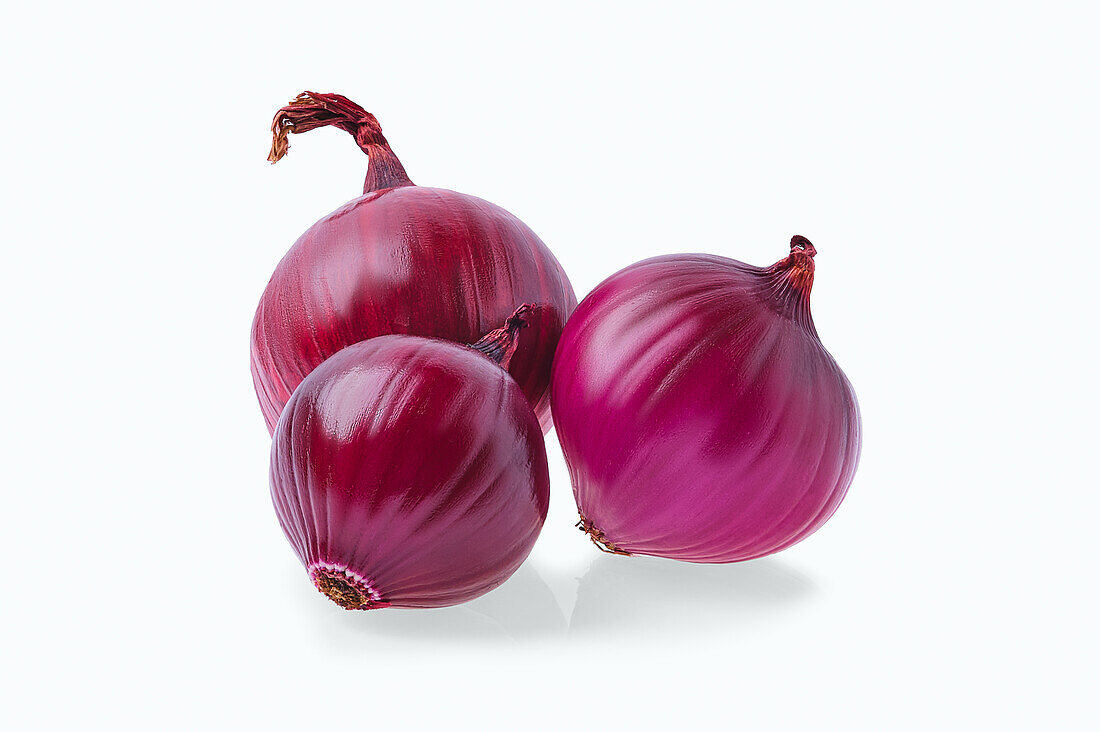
(401, 259)
(699, 414)
(420, 261)
(409, 472)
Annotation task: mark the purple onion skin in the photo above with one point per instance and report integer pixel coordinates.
(411, 260)
(699, 414)
(409, 472)
(405, 259)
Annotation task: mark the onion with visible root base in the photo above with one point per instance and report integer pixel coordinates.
(411, 472)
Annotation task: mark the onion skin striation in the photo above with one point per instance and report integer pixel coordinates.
(411, 472)
(699, 414)
(404, 259)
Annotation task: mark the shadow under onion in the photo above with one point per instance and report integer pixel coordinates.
(625, 594)
(523, 608)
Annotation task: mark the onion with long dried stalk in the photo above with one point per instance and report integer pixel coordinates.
(401, 258)
(411, 472)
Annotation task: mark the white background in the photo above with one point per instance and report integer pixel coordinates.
(942, 157)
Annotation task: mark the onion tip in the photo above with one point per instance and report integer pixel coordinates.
(500, 344)
(311, 110)
(800, 243)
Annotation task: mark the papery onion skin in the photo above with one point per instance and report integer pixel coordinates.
(700, 416)
(409, 472)
(400, 259)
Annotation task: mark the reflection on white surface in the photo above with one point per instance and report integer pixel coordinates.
(521, 608)
(668, 597)
(624, 595)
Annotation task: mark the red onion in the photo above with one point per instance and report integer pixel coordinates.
(411, 472)
(700, 415)
(400, 259)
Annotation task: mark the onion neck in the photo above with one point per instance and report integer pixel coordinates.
(499, 345)
(310, 110)
(788, 282)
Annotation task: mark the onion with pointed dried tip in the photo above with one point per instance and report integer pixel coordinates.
(400, 258)
(699, 414)
(411, 472)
